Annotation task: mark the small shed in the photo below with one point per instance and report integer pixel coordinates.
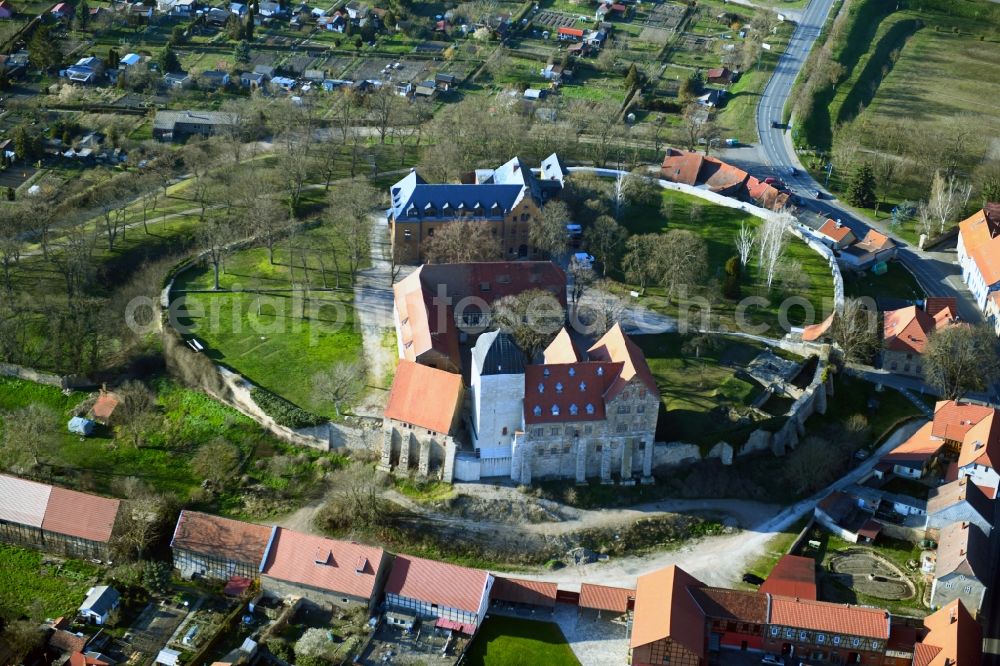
(104, 409)
(168, 657)
(533, 94)
(100, 601)
(81, 426)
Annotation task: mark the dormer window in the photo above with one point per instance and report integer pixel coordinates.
(323, 556)
(555, 410)
(572, 372)
(445, 208)
(559, 387)
(583, 386)
(590, 408)
(361, 565)
(600, 372)
(545, 372)
(541, 387)
(430, 210)
(537, 411)
(573, 409)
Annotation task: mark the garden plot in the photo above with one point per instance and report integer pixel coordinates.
(655, 35)
(866, 573)
(666, 17)
(555, 19)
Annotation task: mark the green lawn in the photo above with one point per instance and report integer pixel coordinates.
(851, 397)
(691, 389)
(896, 283)
(719, 226)
(58, 588)
(505, 641)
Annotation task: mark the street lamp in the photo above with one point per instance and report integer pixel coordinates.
(829, 170)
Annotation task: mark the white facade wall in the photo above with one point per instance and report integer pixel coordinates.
(497, 407)
(426, 609)
(972, 275)
(981, 475)
(831, 526)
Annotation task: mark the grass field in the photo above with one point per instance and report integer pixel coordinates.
(719, 226)
(851, 396)
(277, 338)
(505, 641)
(691, 389)
(58, 589)
(897, 282)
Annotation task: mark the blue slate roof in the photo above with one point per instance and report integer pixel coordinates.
(415, 198)
(100, 600)
(496, 353)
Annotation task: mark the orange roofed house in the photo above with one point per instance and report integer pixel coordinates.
(56, 520)
(979, 253)
(420, 419)
(507, 199)
(215, 547)
(836, 234)
(451, 594)
(874, 248)
(905, 333)
(324, 572)
(697, 170)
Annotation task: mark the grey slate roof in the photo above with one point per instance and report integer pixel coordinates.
(959, 491)
(964, 548)
(496, 353)
(100, 600)
(444, 201)
(166, 120)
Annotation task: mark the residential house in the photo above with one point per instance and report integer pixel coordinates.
(266, 70)
(793, 576)
(179, 125)
(238, 8)
(508, 199)
(129, 60)
(6, 10)
(703, 171)
(61, 10)
(425, 89)
(570, 34)
(848, 517)
(445, 82)
(441, 591)
(530, 595)
(905, 333)
(960, 501)
(176, 79)
(594, 39)
(403, 88)
(713, 98)
(269, 9)
(88, 69)
(323, 572)
(552, 72)
(220, 548)
(421, 417)
(874, 248)
(952, 421)
(213, 79)
(979, 252)
(836, 234)
(914, 458)
(719, 75)
(217, 16)
(587, 416)
(252, 80)
(963, 570)
(668, 627)
(844, 633)
(101, 601)
(953, 638)
(56, 520)
(979, 457)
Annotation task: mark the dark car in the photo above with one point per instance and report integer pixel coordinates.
(752, 579)
(819, 195)
(776, 124)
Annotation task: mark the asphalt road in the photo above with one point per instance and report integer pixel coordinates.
(936, 272)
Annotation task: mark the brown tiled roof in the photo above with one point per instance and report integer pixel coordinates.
(954, 638)
(792, 576)
(981, 444)
(219, 537)
(816, 331)
(67, 641)
(921, 446)
(952, 419)
(721, 604)
(935, 304)
(446, 585)
(665, 609)
(681, 166)
(870, 529)
(981, 239)
(604, 597)
(907, 329)
(424, 396)
(875, 242)
(583, 384)
(81, 515)
(835, 230)
(516, 590)
(963, 548)
(343, 567)
(960, 490)
(105, 405)
(829, 617)
(615, 346)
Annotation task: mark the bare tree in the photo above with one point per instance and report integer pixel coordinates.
(948, 197)
(356, 500)
(683, 259)
(12, 227)
(642, 261)
(462, 241)
(29, 437)
(581, 275)
(548, 234)
(215, 237)
(135, 414)
(745, 241)
(533, 317)
(142, 519)
(856, 330)
(383, 109)
(349, 208)
(772, 241)
(342, 384)
(605, 240)
(602, 310)
(216, 461)
(959, 359)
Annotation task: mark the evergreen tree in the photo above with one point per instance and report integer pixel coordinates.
(632, 78)
(248, 28)
(82, 15)
(43, 49)
(168, 60)
(861, 191)
(241, 53)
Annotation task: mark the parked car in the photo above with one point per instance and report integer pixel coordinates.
(772, 659)
(752, 579)
(819, 194)
(792, 171)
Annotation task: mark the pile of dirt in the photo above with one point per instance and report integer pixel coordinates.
(506, 511)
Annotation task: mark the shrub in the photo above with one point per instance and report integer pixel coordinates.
(733, 266)
(283, 412)
(731, 287)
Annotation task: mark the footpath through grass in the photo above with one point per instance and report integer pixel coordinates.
(507, 641)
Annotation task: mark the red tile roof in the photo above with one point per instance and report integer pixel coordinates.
(81, 515)
(343, 567)
(583, 386)
(615, 346)
(681, 166)
(981, 238)
(424, 323)
(816, 331)
(604, 597)
(835, 230)
(575, 32)
(954, 638)
(921, 446)
(792, 576)
(105, 405)
(952, 419)
(833, 618)
(875, 242)
(935, 304)
(739, 605)
(516, 590)
(981, 444)
(224, 538)
(424, 396)
(665, 609)
(446, 585)
(907, 329)
(66, 641)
